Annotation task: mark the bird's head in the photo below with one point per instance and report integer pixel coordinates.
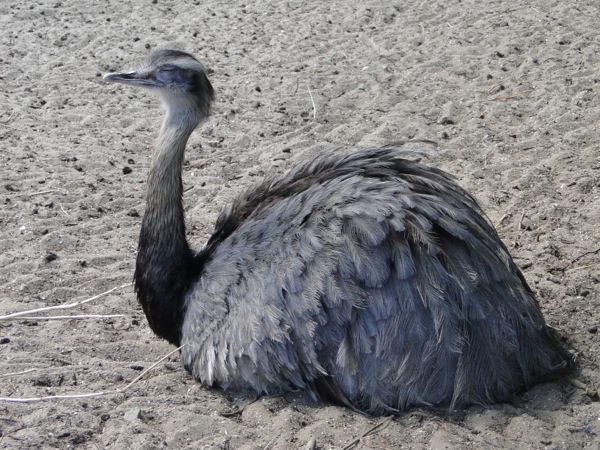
(180, 80)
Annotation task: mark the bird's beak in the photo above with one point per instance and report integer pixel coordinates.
(135, 78)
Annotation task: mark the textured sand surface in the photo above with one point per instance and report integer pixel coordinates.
(509, 89)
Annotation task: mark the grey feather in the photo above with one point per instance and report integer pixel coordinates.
(366, 277)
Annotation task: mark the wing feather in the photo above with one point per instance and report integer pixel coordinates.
(372, 278)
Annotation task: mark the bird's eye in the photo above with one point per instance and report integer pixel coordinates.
(168, 75)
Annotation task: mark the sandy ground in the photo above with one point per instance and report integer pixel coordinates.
(509, 90)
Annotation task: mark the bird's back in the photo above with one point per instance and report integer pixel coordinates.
(369, 278)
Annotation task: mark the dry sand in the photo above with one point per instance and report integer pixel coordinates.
(509, 90)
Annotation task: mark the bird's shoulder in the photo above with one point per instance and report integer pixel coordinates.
(345, 177)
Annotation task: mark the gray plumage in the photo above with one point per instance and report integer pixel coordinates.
(368, 278)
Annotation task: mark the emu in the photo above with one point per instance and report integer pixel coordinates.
(367, 279)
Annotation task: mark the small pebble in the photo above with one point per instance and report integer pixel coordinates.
(51, 257)
(133, 414)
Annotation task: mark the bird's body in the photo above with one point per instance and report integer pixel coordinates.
(366, 278)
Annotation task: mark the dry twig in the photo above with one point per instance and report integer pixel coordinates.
(49, 191)
(52, 308)
(520, 225)
(572, 269)
(93, 394)
(14, 374)
(591, 252)
(270, 442)
(313, 102)
(80, 316)
(502, 220)
(384, 423)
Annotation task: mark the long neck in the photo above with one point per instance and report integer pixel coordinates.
(165, 262)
